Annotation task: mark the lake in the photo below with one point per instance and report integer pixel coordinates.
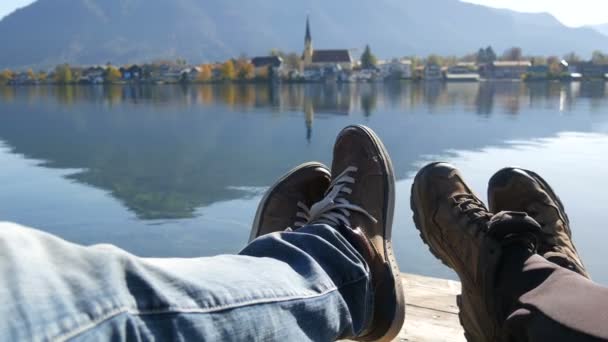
(177, 171)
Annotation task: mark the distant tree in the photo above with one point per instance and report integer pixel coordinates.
(276, 52)
(206, 73)
(244, 69)
(63, 74)
(293, 61)
(434, 59)
(368, 60)
(486, 55)
(41, 76)
(598, 57)
(481, 56)
(228, 71)
(538, 60)
(30, 75)
(471, 57)
(572, 57)
(5, 76)
(555, 65)
(450, 60)
(512, 54)
(490, 54)
(112, 74)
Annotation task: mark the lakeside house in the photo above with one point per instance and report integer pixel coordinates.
(93, 74)
(506, 70)
(432, 72)
(537, 72)
(262, 63)
(590, 70)
(190, 74)
(132, 73)
(395, 68)
(463, 72)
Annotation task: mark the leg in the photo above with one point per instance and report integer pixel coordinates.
(509, 291)
(546, 302)
(305, 285)
(359, 203)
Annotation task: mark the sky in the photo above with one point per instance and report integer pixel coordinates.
(570, 12)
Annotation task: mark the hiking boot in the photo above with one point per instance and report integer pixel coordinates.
(359, 203)
(286, 204)
(523, 190)
(453, 222)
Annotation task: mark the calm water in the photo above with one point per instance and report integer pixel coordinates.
(171, 171)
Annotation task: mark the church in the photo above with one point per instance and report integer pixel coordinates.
(312, 58)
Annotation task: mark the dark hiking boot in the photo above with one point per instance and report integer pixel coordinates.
(286, 204)
(523, 190)
(454, 223)
(359, 203)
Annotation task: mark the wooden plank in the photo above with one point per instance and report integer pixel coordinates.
(431, 311)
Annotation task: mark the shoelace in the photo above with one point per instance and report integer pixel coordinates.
(334, 209)
(470, 205)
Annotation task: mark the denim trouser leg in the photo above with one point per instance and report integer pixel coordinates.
(292, 286)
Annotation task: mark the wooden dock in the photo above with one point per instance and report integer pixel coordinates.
(431, 313)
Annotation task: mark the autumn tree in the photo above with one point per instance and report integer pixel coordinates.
(5, 76)
(555, 65)
(244, 69)
(368, 60)
(41, 76)
(206, 73)
(434, 59)
(112, 74)
(228, 70)
(30, 75)
(512, 54)
(63, 74)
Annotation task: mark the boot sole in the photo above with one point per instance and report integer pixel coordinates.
(399, 314)
(255, 228)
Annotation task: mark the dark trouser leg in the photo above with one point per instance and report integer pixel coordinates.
(545, 302)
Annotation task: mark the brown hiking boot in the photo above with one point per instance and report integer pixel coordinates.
(523, 190)
(286, 204)
(453, 222)
(360, 203)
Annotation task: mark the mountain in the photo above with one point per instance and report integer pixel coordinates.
(601, 28)
(121, 31)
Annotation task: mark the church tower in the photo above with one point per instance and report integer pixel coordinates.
(308, 51)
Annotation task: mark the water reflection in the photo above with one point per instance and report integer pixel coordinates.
(165, 151)
(178, 171)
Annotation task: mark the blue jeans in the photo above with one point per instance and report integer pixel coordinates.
(291, 286)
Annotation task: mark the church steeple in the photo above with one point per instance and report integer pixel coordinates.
(308, 50)
(308, 38)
